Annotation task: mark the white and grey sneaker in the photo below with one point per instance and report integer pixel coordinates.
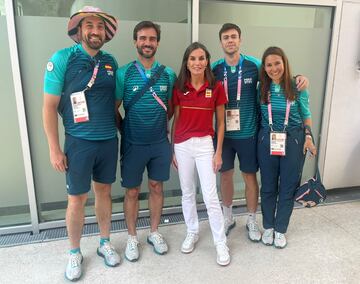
(268, 237)
(222, 254)
(158, 242)
(280, 240)
(189, 243)
(132, 249)
(254, 233)
(229, 224)
(108, 252)
(73, 270)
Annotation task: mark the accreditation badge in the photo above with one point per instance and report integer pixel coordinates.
(277, 143)
(232, 118)
(79, 107)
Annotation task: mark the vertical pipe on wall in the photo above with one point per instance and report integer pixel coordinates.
(14, 57)
(195, 20)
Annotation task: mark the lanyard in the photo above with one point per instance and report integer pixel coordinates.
(287, 114)
(238, 92)
(93, 77)
(160, 102)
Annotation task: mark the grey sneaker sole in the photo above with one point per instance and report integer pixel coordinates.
(253, 240)
(232, 226)
(280, 247)
(73, 280)
(267, 244)
(157, 252)
(131, 260)
(106, 263)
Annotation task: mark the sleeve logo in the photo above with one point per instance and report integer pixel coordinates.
(49, 66)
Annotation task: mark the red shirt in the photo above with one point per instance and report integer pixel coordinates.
(197, 109)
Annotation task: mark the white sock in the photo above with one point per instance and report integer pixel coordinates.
(251, 217)
(227, 211)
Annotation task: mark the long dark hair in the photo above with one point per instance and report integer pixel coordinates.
(286, 82)
(184, 74)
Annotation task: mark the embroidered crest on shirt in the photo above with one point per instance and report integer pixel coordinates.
(109, 70)
(208, 93)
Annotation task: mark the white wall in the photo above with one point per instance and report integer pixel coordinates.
(343, 141)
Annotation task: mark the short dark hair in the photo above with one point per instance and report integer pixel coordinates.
(229, 26)
(146, 25)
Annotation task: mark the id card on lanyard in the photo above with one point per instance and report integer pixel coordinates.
(278, 138)
(78, 100)
(232, 115)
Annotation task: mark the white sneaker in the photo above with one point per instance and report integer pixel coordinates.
(229, 224)
(132, 249)
(158, 242)
(188, 244)
(108, 252)
(280, 240)
(254, 233)
(223, 256)
(73, 269)
(268, 237)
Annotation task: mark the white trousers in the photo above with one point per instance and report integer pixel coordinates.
(197, 153)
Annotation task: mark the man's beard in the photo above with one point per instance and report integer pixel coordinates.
(94, 45)
(146, 55)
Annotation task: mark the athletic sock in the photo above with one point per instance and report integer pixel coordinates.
(75, 251)
(227, 211)
(251, 217)
(104, 240)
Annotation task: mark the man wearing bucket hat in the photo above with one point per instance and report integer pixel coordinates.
(80, 84)
(145, 87)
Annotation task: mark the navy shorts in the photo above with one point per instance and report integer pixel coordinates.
(89, 159)
(245, 149)
(134, 158)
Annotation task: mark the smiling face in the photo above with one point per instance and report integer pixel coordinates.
(146, 42)
(230, 41)
(274, 67)
(197, 62)
(92, 32)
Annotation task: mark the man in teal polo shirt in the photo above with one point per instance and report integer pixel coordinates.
(144, 134)
(80, 84)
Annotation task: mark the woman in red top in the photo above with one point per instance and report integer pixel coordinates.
(196, 97)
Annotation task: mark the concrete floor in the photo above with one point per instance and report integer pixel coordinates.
(323, 247)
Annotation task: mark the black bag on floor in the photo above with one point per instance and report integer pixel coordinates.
(311, 192)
